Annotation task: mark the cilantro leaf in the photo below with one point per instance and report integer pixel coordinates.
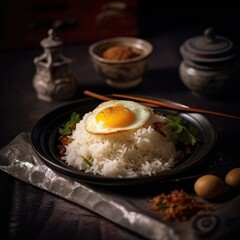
(68, 127)
(186, 133)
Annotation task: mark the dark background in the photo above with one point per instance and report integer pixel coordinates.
(24, 23)
(154, 20)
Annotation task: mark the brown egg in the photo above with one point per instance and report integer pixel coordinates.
(209, 186)
(232, 179)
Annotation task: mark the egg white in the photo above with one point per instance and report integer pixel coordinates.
(141, 113)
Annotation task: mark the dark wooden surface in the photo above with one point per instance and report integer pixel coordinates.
(30, 213)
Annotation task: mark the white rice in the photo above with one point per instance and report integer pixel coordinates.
(128, 154)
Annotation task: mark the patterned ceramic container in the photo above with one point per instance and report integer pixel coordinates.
(125, 73)
(208, 63)
(53, 80)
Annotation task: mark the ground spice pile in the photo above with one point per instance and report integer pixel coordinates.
(119, 52)
(178, 206)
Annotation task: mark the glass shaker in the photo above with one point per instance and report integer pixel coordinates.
(53, 80)
(208, 63)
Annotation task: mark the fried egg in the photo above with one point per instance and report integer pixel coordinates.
(117, 116)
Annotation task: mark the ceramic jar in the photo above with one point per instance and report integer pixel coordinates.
(208, 63)
(53, 80)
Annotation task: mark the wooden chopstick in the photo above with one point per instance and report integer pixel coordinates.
(104, 98)
(157, 103)
(95, 95)
(176, 107)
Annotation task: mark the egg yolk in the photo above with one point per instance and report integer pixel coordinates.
(115, 116)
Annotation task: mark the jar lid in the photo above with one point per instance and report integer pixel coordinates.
(209, 48)
(52, 41)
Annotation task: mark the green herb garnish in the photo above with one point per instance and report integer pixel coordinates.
(88, 162)
(69, 126)
(162, 205)
(185, 132)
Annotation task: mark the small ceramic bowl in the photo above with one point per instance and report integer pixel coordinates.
(121, 73)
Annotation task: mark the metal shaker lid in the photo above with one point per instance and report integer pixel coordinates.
(52, 41)
(208, 48)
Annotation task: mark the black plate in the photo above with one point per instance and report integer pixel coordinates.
(45, 140)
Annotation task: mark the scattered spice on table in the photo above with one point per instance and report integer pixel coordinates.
(178, 206)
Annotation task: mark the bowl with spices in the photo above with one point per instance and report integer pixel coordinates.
(122, 61)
